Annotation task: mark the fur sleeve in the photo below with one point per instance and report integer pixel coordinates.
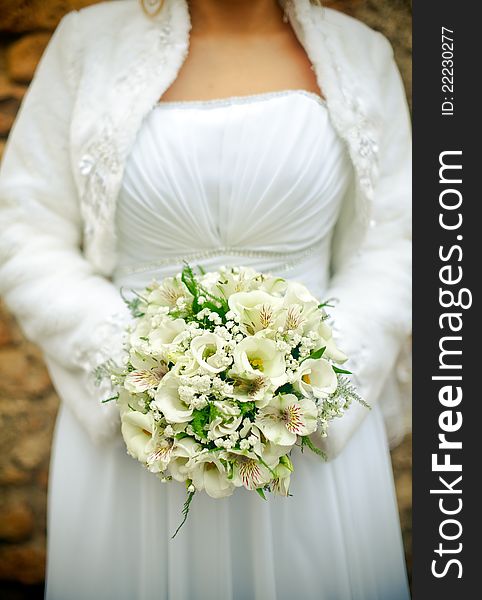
(373, 287)
(60, 303)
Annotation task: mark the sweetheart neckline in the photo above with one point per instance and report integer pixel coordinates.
(244, 99)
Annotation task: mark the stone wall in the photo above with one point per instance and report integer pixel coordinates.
(28, 402)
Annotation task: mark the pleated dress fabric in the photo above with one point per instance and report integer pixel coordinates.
(256, 181)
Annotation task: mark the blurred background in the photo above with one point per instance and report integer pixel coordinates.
(28, 403)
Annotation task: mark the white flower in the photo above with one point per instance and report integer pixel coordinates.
(296, 293)
(182, 453)
(168, 401)
(248, 471)
(207, 349)
(142, 380)
(169, 332)
(333, 352)
(260, 357)
(315, 377)
(251, 387)
(281, 483)
(158, 459)
(224, 424)
(315, 325)
(256, 310)
(168, 292)
(232, 280)
(138, 433)
(208, 473)
(138, 340)
(286, 417)
(273, 285)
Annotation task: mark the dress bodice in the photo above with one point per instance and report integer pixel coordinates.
(253, 180)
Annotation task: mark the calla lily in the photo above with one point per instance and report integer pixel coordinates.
(168, 401)
(138, 431)
(166, 334)
(209, 474)
(286, 417)
(296, 293)
(260, 356)
(315, 377)
(333, 352)
(326, 338)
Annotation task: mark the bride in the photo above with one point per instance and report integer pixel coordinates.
(267, 134)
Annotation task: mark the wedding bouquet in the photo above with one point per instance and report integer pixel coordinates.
(225, 373)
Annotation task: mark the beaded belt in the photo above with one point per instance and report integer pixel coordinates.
(287, 260)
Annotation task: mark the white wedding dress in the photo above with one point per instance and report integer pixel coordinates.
(255, 180)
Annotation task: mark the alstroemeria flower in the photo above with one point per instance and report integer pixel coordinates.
(315, 377)
(248, 471)
(168, 401)
(251, 387)
(256, 310)
(232, 281)
(281, 483)
(260, 356)
(159, 458)
(286, 417)
(169, 292)
(142, 380)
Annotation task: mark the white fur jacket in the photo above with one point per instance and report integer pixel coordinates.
(103, 70)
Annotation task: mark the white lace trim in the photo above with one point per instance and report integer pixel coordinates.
(245, 99)
(287, 259)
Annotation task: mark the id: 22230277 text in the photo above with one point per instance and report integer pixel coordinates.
(447, 56)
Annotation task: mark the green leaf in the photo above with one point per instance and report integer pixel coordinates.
(316, 354)
(200, 418)
(110, 399)
(261, 493)
(305, 441)
(287, 388)
(190, 281)
(338, 370)
(327, 303)
(185, 512)
(246, 408)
